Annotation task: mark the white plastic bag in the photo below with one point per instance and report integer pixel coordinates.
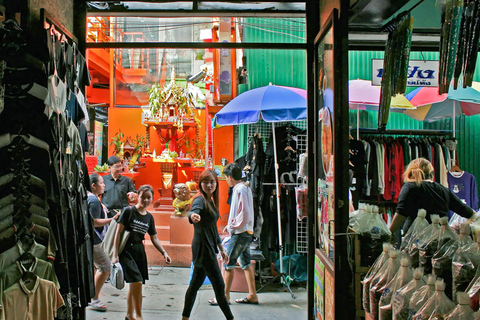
(415, 244)
(381, 260)
(401, 298)
(439, 305)
(421, 297)
(379, 282)
(116, 276)
(401, 278)
(442, 259)
(473, 291)
(432, 243)
(418, 225)
(463, 310)
(372, 231)
(465, 262)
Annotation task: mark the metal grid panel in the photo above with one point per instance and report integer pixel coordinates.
(302, 235)
(265, 129)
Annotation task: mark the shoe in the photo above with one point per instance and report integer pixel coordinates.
(246, 301)
(214, 302)
(97, 305)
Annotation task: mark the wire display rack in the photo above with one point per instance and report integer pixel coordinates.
(265, 130)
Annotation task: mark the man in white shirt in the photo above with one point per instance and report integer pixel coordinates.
(240, 227)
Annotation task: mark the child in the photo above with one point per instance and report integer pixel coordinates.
(133, 259)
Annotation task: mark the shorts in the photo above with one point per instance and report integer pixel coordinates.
(100, 259)
(239, 248)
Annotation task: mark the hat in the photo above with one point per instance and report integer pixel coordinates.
(113, 159)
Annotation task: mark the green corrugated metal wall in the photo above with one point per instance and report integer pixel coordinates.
(280, 67)
(467, 128)
(288, 67)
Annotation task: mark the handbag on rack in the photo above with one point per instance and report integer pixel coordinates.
(107, 243)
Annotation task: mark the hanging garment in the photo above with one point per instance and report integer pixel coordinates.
(464, 186)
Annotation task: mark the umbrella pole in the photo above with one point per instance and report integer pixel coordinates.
(358, 123)
(454, 161)
(277, 187)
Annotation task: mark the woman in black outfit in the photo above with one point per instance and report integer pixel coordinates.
(205, 245)
(421, 192)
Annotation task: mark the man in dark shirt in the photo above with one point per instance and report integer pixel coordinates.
(117, 187)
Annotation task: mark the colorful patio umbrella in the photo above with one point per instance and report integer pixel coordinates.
(272, 104)
(362, 95)
(432, 107)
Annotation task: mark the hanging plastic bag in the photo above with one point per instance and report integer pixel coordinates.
(463, 310)
(416, 244)
(384, 276)
(433, 243)
(401, 298)
(439, 305)
(421, 297)
(442, 259)
(372, 231)
(455, 222)
(381, 260)
(401, 278)
(301, 197)
(418, 225)
(465, 262)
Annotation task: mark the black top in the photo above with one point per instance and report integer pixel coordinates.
(115, 195)
(96, 212)
(431, 196)
(137, 224)
(205, 237)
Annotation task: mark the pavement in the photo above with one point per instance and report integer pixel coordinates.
(164, 292)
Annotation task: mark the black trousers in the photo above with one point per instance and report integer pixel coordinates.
(211, 270)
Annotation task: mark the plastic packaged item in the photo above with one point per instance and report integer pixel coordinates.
(377, 265)
(380, 281)
(418, 225)
(372, 231)
(401, 278)
(415, 244)
(463, 310)
(401, 298)
(301, 197)
(465, 262)
(442, 259)
(433, 243)
(477, 315)
(421, 297)
(438, 306)
(473, 291)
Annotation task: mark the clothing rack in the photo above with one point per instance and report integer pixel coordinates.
(48, 20)
(406, 132)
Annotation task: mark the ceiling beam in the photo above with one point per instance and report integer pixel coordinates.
(197, 45)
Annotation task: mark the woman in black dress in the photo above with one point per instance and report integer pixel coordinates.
(205, 245)
(133, 259)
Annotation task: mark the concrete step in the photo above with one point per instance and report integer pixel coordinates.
(164, 207)
(163, 232)
(181, 254)
(162, 218)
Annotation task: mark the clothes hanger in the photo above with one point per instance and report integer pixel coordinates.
(455, 168)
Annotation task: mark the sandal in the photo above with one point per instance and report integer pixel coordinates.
(97, 305)
(214, 302)
(246, 301)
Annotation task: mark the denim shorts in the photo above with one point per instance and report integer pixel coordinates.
(239, 248)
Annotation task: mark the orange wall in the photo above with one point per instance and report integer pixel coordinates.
(223, 144)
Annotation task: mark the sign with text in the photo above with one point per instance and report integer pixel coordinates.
(420, 73)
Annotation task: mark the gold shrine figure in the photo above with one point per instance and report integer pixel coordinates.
(183, 200)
